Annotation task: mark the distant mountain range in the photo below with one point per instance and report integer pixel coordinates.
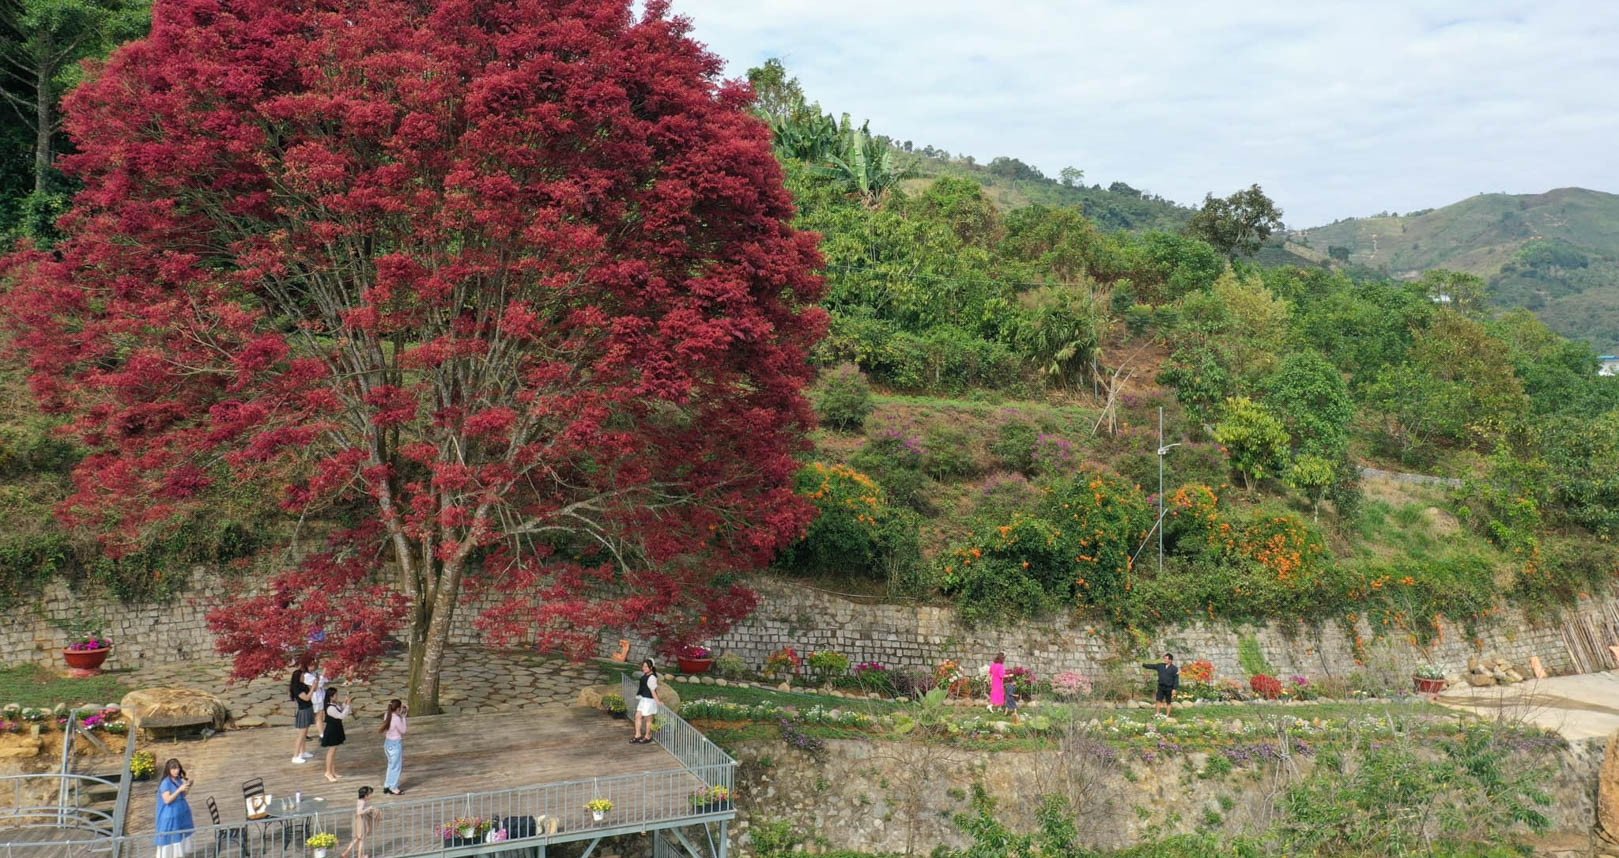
(1555, 253)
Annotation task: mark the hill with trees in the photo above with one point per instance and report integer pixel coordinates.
(1556, 254)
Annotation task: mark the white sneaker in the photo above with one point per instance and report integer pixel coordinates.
(300, 759)
(309, 755)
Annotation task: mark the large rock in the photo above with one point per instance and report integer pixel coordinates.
(1608, 792)
(668, 697)
(1480, 680)
(591, 696)
(163, 702)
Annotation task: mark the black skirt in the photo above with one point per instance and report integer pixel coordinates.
(332, 736)
(305, 717)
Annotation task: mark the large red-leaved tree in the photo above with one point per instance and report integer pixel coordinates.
(501, 294)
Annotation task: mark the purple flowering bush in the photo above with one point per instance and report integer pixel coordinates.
(89, 641)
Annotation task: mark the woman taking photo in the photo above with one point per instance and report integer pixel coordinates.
(393, 744)
(174, 823)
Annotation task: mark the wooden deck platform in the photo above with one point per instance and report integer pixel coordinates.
(447, 757)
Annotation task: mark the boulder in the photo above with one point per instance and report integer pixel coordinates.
(1480, 680)
(590, 697)
(1608, 792)
(1514, 676)
(669, 698)
(173, 701)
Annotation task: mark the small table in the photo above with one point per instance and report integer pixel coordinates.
(293, 816)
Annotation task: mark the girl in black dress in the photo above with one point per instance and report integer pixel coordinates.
(337, 709)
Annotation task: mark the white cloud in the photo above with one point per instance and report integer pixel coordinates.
(1337, 108)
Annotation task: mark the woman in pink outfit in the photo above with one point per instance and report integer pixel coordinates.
(997, 681)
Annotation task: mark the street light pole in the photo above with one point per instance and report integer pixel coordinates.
(1163, 451)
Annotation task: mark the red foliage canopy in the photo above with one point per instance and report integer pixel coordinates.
(513, 280)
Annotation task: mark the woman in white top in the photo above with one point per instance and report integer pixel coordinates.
(646, 703)
(337, 708)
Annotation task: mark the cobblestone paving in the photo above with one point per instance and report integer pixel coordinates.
(474, 680)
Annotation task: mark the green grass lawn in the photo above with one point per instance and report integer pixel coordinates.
(32, 685)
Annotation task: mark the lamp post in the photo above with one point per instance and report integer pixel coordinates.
(1163, 450)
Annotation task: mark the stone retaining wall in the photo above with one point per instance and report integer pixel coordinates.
(920, 636)
(908, 636)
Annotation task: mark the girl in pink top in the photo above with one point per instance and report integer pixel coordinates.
(393, 744)
(997, 681)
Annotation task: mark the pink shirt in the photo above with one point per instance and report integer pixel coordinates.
(997, 684)
(396, 728)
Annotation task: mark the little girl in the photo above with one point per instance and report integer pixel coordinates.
(365, 821)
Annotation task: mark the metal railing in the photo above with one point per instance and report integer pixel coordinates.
(641, 802)
(69, 813)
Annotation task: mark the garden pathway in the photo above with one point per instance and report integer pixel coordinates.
(1583, 706)
(475, 680)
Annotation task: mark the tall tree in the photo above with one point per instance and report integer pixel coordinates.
(506, 291)
(1236, 225)
(41, 45)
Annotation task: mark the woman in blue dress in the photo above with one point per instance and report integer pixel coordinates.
(174, 823)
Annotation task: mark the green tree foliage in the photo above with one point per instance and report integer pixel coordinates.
(1165, 266)
(1012, 168)
(42, 43)
(1236, 225)
(856, 532)
(843, 398)
(1311, 399)
(1457, 388)
(1255, 441)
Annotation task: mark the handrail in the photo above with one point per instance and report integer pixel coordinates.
(67, 763)
(126, 781)
(66, 813)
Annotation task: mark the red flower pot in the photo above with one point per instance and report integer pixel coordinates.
(85, 662)
(694, 665)
(1429, 686)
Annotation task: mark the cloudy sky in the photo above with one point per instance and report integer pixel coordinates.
(1338, 109)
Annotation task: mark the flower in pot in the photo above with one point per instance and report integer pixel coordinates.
(465, 828)
(694, 659)
(85, 653)
(598, 808)
(1429, 679)
(321, 842)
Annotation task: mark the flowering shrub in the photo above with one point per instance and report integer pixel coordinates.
(1268, 687)
(694, 651)
(783, 662)
(1052, 454)
(828, 664)
(873, 676)
(1201, 670)
(9, 726)
(143, 765)
(946, 672)
(465, 826)
(1071, 684)
(1021, 681)
(856, 528)
(730, 666)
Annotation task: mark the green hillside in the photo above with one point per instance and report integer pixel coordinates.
(1011, 184)
(1556, 253)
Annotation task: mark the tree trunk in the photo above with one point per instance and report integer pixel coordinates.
(42, 127)
(429, 638)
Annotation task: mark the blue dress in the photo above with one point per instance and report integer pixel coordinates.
(174, 823)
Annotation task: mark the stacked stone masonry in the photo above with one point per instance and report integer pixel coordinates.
(898, 636)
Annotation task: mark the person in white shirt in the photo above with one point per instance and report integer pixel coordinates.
(646, 703)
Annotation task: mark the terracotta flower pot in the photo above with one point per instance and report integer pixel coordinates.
(694, 665)
(86, 662)
(1429, 686)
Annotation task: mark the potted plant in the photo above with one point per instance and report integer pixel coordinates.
(711, 800)
(321, 842)
(465, 830)
(614, 704)
(143, 765)
(86, 652)
(694, 659)
(598, 808)
(1429, 679)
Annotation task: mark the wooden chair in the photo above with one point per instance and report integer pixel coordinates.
(223, 836)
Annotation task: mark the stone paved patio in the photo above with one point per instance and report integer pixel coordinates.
(474, 680)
